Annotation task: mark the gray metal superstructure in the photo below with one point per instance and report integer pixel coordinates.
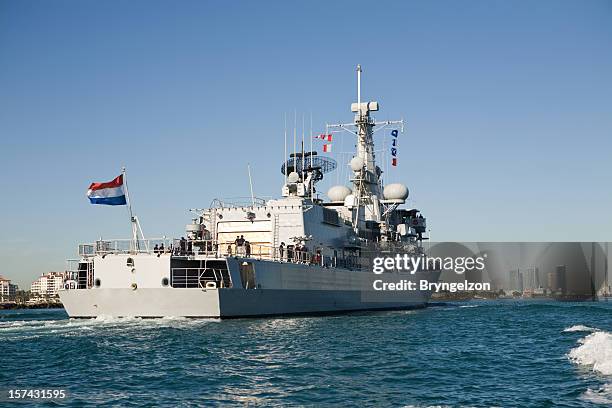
(293, 255)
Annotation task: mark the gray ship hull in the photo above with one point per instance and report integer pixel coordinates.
(281, 289)
(223, 303)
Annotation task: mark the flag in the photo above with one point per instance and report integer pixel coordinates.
(327, 148)
(394, 133)
(324, 137)
(109, 193)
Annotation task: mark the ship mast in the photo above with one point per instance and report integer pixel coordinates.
(367, 185)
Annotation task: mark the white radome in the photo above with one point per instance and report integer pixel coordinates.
(396, 192)
(293, 177)
(356, 163)
(350, 201)
(337, 194)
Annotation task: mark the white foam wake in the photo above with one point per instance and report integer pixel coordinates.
(103, 322)
(601, 396)
(580, 328)
(594, 350)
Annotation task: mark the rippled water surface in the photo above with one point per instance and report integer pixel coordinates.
(489, 353)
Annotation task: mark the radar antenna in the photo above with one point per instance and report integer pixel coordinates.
(302, 170)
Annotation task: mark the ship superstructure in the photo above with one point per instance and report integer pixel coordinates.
(291, 255)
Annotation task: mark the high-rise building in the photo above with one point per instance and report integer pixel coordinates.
(556, 280)
(48, 283)
(7, 289)
(516, 281)
(530, 278)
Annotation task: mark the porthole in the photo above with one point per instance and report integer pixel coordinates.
(97, 283)
(165, 282)
(130, 262)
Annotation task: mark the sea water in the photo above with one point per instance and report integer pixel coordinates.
(480, 353)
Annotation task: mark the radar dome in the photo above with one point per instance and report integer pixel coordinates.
(338, 193)
(396, 192)
(293, 177)
(356, 163)
(350, 201)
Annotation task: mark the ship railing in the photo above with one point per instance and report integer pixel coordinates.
(238, 202)
(269, 252)
(210, 248)
(126, 246)
(201, 247)
(78, 274)
(197, 278)
(176, 247)
(72, 266)
(253, 250)
(260, 251)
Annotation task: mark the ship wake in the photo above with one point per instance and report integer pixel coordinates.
(595, 352)
(580, 328)
(20, 329)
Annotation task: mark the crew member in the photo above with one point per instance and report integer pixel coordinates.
(281, 250)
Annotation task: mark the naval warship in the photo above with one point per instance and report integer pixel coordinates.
(298, 254)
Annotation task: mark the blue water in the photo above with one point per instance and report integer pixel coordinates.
(481, 353)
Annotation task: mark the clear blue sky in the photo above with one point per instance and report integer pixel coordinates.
(508, 109)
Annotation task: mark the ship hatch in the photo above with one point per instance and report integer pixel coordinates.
(247, 275)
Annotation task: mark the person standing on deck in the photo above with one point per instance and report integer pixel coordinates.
(281, 251)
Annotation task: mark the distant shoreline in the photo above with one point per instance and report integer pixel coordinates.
(16, 306)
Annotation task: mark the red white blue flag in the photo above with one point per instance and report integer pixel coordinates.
(109, 193)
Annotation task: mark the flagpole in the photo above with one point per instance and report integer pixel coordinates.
(133, 221)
